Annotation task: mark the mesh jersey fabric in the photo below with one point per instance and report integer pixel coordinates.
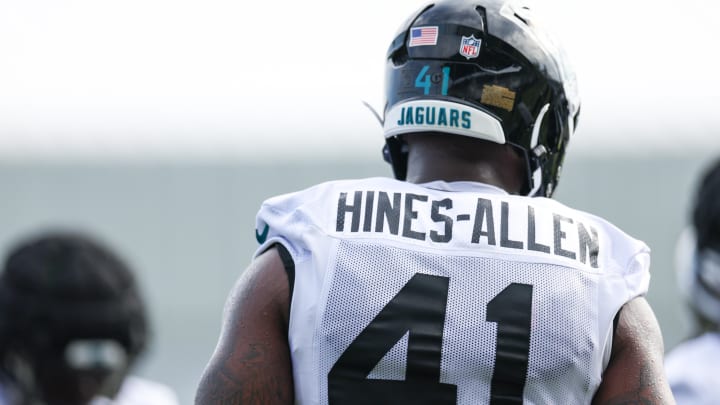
(448, 292)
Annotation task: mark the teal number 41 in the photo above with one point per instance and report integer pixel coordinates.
(425, 80)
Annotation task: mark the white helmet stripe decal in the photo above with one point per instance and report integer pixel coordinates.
(442, 116)
(537, 174)
(536, 126)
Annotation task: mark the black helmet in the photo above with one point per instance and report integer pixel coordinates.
(484, 69)
(698, 250)
(63, 285)
(72, 319)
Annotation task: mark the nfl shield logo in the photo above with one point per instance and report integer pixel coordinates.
(470, 47)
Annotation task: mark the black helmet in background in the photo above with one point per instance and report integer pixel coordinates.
(72, 319)
(697, 256)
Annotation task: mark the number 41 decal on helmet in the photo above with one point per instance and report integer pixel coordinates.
(425, 81)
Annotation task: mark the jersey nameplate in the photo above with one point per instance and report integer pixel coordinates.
(422, 218)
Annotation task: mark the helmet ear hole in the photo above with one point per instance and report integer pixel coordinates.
(399, 57)
(395, 152)
(386, 154)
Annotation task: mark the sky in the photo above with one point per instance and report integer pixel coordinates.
(100, 79)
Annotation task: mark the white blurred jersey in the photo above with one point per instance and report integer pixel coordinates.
(134, 391)
(139, 391)
(693, 370)
(448, 293)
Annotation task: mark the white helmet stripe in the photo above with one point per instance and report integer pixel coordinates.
(442, 116)
(536, 126)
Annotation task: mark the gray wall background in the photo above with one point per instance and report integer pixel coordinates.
(187, 228)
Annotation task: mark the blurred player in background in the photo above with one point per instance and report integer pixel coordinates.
(693, 367)
(72, 326)
(458, 282)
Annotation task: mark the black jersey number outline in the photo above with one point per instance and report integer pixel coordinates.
(419, 310)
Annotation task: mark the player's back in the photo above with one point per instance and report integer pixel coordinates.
(448, 293)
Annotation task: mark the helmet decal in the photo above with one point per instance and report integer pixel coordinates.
(423, 36)
(470, 47)
(442, 116)
(498, 96)
(536, 127)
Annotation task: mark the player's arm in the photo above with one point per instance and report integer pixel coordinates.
(635, 374)
(251, 363)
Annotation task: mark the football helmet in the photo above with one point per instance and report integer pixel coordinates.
(71, 318)
(697, 256)
(486, 69)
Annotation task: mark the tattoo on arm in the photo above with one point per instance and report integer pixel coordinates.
(252, 363)
(646, 393)
(218, 387)
(247, 382)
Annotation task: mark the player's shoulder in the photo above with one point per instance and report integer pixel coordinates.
(606, 225)
(292, 200)
(377, 182)
(627, 251)
(290, 218)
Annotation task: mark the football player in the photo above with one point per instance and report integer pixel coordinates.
(692, 367)
(460, 281)
(72, 326)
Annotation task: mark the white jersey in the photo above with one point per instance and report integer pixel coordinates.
(693, 370)
(448, 293)
(140, 391)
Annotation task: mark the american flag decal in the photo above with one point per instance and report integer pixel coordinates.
(421, 36)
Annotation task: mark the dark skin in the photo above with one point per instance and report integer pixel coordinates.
(635, 374)
(252, 363)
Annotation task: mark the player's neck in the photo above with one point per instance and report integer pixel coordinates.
(477, 173)
(488, 164)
